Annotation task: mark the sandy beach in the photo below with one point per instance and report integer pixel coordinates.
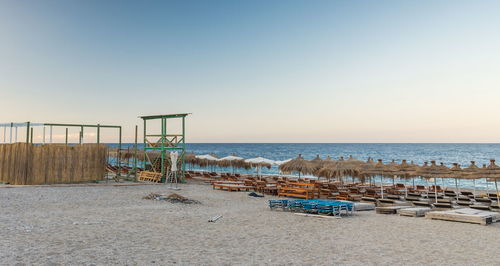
(114, 225)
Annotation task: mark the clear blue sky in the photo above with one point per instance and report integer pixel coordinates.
(258, 71)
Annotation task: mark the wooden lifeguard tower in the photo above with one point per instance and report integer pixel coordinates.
(163, 143)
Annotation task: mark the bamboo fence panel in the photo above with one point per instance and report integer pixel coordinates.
(28, 164)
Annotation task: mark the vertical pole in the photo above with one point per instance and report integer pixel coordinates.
(498, 196)
(163, 129)
(81, 135)
(474, 191)
(435, 189)
(98, 133)
(66, 136)
(183, 158)
(135, 152)
(43, 137)
(381, 187)
(11, 124)
(27, 132)
(31, 136)
(144, 147)
(50, 135)
(15, 139)
(4, 134)
(119, 150)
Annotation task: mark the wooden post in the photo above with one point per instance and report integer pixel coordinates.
(98, 133)
(119, 151)
(27, 132)
(135, 152)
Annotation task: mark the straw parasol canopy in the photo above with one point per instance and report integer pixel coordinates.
(354, 161)
(297, 165)
(457, 172)
(317, 159)
(189, 158)
(327, 172)
(317, 162)
(350, 167)
(472, 172)
(433, 171)
(230, 160)
(260, 162)
(406, 170)
(328, 161)
(205, 160)
(492, 172)
(379, 169)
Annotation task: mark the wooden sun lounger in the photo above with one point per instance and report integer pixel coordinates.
(231, 187)
(299, 190)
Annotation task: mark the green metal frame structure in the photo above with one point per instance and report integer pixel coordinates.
(29, 133)
(165, 142)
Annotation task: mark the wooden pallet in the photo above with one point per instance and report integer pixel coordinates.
(414, 212)
(388, 210)
(466, 215)
(149, 176)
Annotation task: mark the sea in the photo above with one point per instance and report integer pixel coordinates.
(448, 153)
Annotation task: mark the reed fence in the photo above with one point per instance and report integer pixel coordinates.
(28, 164)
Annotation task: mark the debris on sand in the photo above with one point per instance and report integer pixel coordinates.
(172, 198)
(153, 196)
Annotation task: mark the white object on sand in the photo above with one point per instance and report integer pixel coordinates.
(214, 219)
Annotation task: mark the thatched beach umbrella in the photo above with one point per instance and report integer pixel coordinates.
(206, 160)
(472, 172)
(368, 164)
(350, 168)
(492, 172)
(433, 171)
(379, 169)
(456, 172)
(317, 162)
(393, 165)
(317, 159)
(260, 162)
(354, 161)
(297, 165)
(326, 162)
(327, 172)
(406, 171)
(230, 161)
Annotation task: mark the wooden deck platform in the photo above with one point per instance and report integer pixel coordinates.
(466, 215)
(414, 212)
(389, 209)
